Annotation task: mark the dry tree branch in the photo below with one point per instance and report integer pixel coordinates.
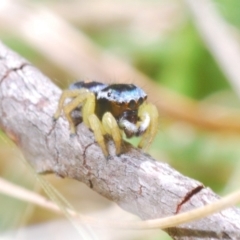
(135, 181)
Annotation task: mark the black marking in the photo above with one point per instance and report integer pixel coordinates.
(93, 86)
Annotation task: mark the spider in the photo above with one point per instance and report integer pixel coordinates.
(111, 110)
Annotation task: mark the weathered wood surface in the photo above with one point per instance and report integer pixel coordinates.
(135, 181)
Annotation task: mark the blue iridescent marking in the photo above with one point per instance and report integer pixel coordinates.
(121, 93)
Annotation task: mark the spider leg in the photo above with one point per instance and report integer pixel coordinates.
(99, 132)
(67, 109)
(150, 110)
(88, 108)
(92, 121)
(111, 127)
(87, 99)
(66, 94)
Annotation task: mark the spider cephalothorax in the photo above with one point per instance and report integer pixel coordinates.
(111, 109)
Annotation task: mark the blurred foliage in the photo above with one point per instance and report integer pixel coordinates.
(13, 169)
(180, 61)
(230, 10)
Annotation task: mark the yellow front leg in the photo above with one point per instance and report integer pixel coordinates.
(98, 131)
(88, 108)
(92, 121)
(73, 105)
(67, 94)
(111, 127)
(152, 129)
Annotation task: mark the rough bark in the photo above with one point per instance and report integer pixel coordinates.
(134, 180)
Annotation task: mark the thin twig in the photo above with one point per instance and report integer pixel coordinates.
(15, 191)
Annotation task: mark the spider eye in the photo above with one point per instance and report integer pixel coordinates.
(140, 101)
(132, 104)
(109, 93)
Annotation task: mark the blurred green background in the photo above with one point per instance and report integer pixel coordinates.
(171, 52)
